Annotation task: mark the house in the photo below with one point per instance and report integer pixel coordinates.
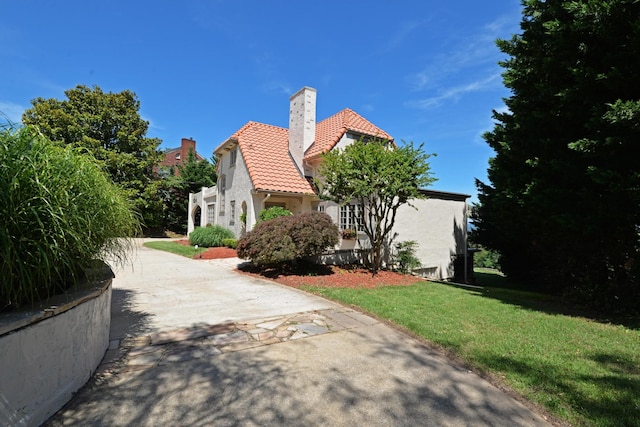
(261, 166)
(177, 156)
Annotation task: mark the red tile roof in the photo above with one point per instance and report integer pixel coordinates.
(330, 130)
(265, 150)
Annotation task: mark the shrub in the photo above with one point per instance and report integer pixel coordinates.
(273, 212)
(230, 243)
(210, 236)
(405, 256)
(288, 238)
(486, 258)
(60, 212)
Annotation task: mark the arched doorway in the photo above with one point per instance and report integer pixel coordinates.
(197, 216)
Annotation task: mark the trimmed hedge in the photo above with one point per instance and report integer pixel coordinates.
(288, 238)
(210, 236)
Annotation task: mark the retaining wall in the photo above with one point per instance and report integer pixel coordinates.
(47, 354)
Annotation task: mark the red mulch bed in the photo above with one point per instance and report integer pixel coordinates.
(212, 253)
(330, 276)
(308, 274)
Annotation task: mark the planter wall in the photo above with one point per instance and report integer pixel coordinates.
(46, 355)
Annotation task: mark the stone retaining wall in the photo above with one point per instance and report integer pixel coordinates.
(47, 354)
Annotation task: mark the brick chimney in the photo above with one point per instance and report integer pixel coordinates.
(302, 124)
(186, 145)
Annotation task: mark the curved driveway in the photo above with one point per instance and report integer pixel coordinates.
(232, 366)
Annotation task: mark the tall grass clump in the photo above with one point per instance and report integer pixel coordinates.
(210, 236)
(60, 213)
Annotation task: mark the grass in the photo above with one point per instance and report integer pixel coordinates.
(584, 372)
(60, 211)
(175, 248)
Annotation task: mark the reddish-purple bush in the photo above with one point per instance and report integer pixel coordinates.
(288, 238)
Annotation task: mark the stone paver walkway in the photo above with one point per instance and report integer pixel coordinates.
(136, 354)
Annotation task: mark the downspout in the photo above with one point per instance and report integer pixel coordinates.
(264, 201)
(466, 280)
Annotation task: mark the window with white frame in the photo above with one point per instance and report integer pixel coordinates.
(233, 157)
(351, 218)
(211, 213)
(232, 208)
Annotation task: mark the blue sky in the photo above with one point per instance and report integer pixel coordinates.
(424, 71)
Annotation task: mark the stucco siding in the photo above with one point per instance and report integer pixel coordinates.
(238, 188)
(439, 227)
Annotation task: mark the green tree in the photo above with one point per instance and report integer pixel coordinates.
(379, 177)
(174, 190)
(563, 205)
(196, 174)
(109, 126)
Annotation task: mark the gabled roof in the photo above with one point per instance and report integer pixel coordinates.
(330, 130)
(265, 150)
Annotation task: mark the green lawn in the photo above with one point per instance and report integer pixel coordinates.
(175, 248)
(585, 372)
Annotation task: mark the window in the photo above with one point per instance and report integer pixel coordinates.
(211, 213)
(223, 184)
(351, 218)
(234, 155)
(232, 219)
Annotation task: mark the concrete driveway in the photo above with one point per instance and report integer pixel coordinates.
(196, 344)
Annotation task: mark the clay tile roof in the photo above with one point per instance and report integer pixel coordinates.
(265, 150)
(330, 130)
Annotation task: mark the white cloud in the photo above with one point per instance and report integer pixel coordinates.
(469, 51)
(11, 111)
(277, 87)
(400, 34)
(455, 93)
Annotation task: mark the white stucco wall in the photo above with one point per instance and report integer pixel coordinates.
(44, 364)
(439, 226)
(238, 189)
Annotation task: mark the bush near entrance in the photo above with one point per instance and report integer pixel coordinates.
(210, 236)
(288, 238)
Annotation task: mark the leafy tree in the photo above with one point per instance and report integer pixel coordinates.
(109, 126)
(380, 178)
(563, 206)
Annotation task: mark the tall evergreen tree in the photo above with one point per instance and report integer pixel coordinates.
(563, 205)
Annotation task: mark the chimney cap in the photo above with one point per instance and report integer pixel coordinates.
(303, 89)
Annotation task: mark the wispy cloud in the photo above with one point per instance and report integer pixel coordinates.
(11, 111)
(277, 87)
(472, 50)
(455, 93)
(399, 35)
